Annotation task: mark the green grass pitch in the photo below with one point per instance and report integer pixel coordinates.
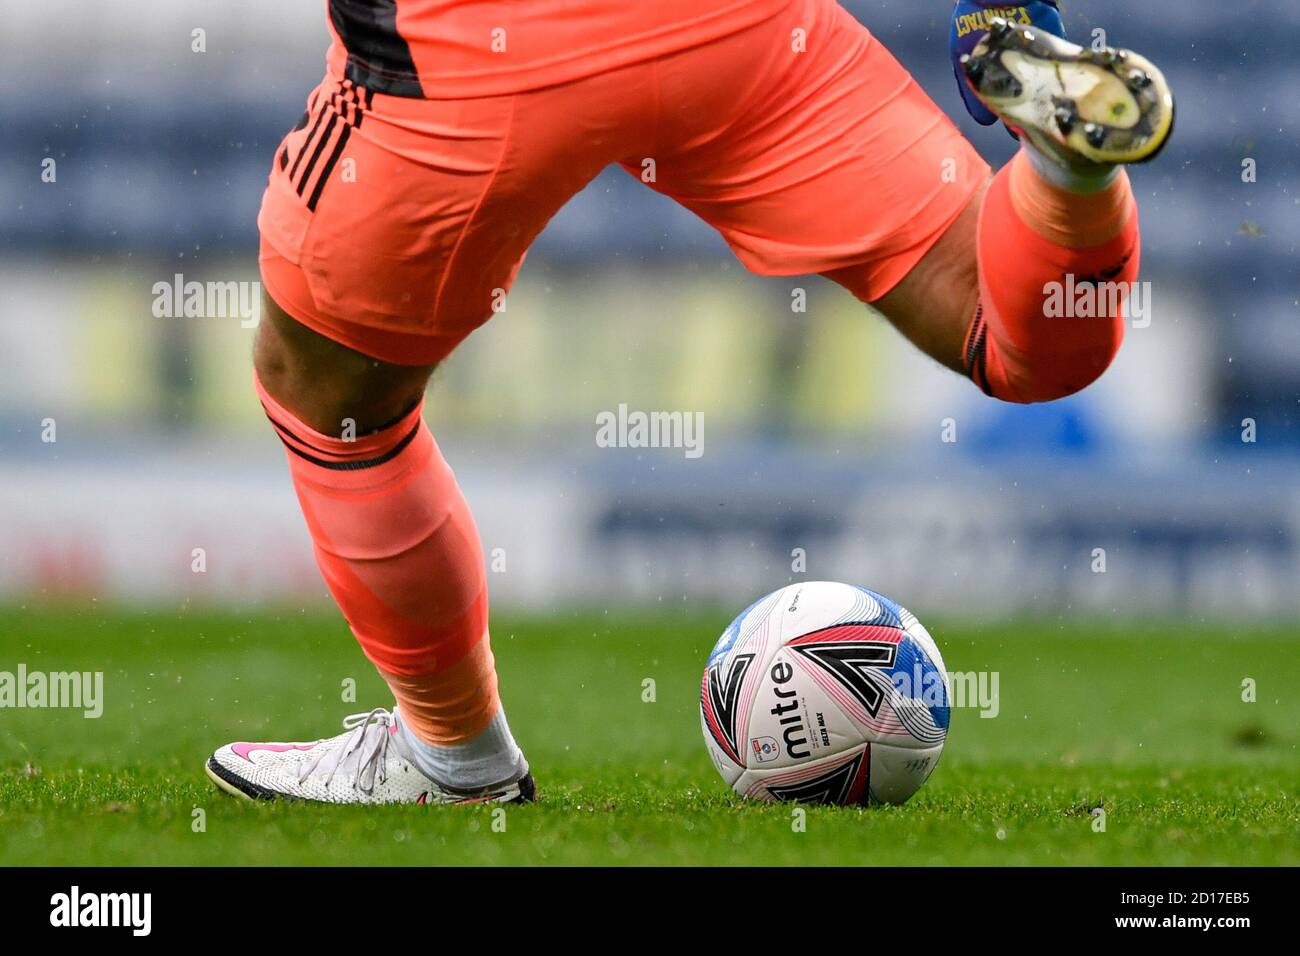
(1145, 720)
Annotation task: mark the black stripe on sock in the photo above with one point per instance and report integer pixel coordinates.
(976, 347)
(357, 465)
(972, 335)
(375, 431)
(981, 376)
(286, 435)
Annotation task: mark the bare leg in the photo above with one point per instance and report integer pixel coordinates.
(934, 303)
(324, 383)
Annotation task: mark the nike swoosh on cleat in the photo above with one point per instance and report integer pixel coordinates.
(244, 749)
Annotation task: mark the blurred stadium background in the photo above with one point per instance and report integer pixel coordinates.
(823, 429)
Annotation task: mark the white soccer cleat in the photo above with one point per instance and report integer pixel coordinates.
(1084, 106)
(367, 763)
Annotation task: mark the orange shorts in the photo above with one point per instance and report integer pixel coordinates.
(395, 225)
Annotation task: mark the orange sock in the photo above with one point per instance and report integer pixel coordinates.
(1034, 235)
(397, 545)
(450, 705)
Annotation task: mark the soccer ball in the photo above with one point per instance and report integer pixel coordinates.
(825, 693)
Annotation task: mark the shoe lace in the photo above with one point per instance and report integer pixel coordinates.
(368, 740)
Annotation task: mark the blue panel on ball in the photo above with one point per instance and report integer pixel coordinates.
(889, 615)
(916, 677)
(728, 638)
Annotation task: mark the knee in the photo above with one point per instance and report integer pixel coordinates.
(283, 357)
(932, 305)
(327, 385)
(271, 359)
